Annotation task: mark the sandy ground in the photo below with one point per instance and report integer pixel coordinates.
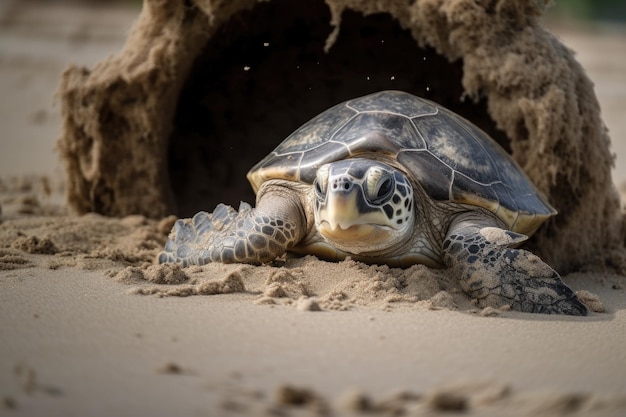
(87, 327)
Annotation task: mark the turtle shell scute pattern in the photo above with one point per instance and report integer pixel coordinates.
(448, 156)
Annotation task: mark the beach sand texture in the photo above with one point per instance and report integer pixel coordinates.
(90, 326)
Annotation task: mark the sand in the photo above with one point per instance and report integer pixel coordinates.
(90, 326)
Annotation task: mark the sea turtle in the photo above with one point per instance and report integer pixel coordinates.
(390, 178)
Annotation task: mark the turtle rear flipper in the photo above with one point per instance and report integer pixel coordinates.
(250, 235)
(492, 272)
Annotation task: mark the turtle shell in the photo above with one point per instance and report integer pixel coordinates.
(452, 159)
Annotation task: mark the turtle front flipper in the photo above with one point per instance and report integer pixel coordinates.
(480, 252)
(250, 235)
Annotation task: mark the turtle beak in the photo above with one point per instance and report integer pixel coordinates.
(341, 209)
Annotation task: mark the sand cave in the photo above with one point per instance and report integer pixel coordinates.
(202, 90)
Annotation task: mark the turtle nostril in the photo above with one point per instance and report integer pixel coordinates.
(341, 185)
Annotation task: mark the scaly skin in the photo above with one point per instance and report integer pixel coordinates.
(250, 235)
(479, 251)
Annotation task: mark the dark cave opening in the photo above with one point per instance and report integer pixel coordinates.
(264, 73)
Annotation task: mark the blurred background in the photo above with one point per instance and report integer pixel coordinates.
(39, 39)
(588, 11)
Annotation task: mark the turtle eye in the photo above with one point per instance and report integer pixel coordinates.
(379, 185)
(321, 181)
(319, 190)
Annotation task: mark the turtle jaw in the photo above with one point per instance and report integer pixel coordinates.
(348, 236)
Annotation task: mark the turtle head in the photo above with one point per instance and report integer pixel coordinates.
(363, 206)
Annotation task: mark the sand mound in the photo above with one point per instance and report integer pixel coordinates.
(306, 284)
(90, 241)
(166, 125)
